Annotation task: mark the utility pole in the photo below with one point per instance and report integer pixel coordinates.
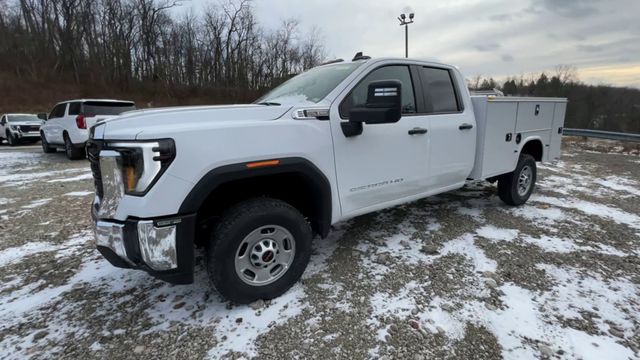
(403, 21)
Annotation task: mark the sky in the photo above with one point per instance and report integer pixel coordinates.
(497, 38)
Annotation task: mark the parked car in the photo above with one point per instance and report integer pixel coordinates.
(254, 183)
(68, 123)
(17, 128)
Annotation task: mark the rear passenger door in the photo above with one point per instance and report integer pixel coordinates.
(452, 127)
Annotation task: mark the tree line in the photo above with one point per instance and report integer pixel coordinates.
(124, 42)
(598, 107)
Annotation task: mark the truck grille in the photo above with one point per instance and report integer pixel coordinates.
(93, 152)
(29, 128)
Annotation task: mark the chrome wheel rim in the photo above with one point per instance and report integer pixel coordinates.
(265, 255)
(524, 180)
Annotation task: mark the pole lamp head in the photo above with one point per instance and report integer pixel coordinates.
(403, 16)
(411, 16)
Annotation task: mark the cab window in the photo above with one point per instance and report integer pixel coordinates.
(358, 96)
(440, 93)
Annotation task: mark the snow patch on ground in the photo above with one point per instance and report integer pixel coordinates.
(523, 319)
(620, 184)
(36, 203)
(75, 178)
(79, 193)
(493, 233)
(590, 208)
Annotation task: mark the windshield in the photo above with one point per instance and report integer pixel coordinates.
(312, 85)
(19, 118)
(106, 108)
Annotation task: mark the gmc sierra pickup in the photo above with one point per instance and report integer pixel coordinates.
(255, 182)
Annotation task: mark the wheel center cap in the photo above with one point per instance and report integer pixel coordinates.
(267, 256)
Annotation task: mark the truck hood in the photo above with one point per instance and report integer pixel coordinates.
(162, 122)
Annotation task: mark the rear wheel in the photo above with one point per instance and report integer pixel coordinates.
(516, 187)
(45, 145)
(72, 152)
(259, 249)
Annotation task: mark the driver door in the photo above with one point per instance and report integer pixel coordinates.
(387, 163)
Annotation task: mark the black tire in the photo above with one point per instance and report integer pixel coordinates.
(72, 152)
(45, 145)
(509, 184)
(12, 140)
(234, 227)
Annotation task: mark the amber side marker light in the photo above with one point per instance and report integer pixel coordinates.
(258, 164)
(131, 180)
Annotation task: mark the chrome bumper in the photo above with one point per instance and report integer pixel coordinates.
(162, 247)
(157, 245)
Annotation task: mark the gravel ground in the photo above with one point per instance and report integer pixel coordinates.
(456, 276)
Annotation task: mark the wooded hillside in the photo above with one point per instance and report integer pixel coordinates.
(140, 47)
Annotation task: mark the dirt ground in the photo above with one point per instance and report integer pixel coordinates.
(456, 276)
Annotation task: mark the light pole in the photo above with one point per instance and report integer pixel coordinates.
(403, 21)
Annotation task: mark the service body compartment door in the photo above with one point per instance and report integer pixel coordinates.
(556, 131)
(499, 153)
(534, 116)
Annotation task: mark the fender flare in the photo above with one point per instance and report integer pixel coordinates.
(227, 173)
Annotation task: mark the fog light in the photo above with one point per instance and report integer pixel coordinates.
(110, 235)
(158, 245)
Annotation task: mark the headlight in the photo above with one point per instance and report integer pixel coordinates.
(15, 127)
(142, 162)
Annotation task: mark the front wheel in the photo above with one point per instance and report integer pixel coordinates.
(516, 187)
(11, 139)
(259, 249)
(45, 145)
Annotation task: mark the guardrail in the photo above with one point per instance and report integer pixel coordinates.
(611, 135)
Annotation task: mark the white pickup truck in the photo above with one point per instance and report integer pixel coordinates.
(255, 182)
(17, 128)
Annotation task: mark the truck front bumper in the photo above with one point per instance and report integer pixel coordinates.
(27, 135)
(163, 247)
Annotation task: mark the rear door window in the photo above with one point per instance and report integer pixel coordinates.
(91, 108)
(439, 90)
(74, 108)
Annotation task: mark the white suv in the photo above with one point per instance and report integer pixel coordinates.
(16, 128)
(68, 123)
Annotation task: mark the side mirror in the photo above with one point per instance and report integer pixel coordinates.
(384, 103)
(43, 116)
(383, 106)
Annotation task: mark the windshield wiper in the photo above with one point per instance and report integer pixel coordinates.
(269, 103)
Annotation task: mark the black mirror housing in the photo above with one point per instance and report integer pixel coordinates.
(384, 104)
(42, 116)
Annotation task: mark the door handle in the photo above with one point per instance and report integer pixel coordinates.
(465, 126)
(417, 130)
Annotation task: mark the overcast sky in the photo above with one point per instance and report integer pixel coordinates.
(483, 37)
